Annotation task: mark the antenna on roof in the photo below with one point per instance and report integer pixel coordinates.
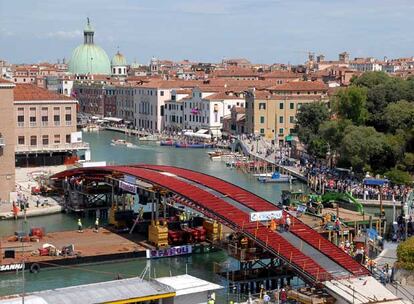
(87, 18)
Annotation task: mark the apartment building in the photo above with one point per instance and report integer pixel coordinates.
(272, 112)
(46, 131)
(174, 110)
(7, 140)
(206, 108)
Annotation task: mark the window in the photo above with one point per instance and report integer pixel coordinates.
(33, 121)
(20, 120)
(281, 106)
(292, 106)
(281, 131)
(45, 140)
(68, 118)
(262, 106)
(68, 138)
(161, 93)
(281, 119)
(262, 119)
(56, 139)
(261, 131)
(20, 140)
(292, 119)
(56, 119)
(33, 140)
(299, 105)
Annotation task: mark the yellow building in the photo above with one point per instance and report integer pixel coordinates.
(272, 112)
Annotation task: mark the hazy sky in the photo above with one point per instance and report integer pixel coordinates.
(264, 31)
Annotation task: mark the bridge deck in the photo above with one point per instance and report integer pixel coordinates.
(318, 259)
(256, 203)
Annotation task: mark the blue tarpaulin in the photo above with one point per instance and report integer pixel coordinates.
(375, 181)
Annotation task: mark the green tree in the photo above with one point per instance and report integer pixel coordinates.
(362, 146)
(333, 131)
(309, 118)
(399, 177)
(371, 79)
(399, 115)
(318, 147)
(350, 103)
(408, 161)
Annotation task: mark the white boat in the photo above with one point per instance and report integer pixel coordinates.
(276, 177)
(91, 128)
(122, 142)
(149, 138)
(263, 174)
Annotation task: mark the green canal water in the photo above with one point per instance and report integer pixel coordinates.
(150, 153)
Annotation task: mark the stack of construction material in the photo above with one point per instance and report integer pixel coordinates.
(158, 234)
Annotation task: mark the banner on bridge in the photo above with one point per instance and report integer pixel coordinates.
(265, 215)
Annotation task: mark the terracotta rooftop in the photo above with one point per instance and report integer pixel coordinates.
(235, 73)
(281, 74)
(300, 86)
(28, 92)
(223, 95)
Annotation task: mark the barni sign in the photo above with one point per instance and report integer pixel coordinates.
(265, 215)
(173, 251)
(9, 267)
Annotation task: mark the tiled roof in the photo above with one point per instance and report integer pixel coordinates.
(300, 86)
(235, 73)
(281, 74)
(28, 92)
(223, 95)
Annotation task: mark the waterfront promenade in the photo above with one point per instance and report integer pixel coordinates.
(262, 150)
(26, 178)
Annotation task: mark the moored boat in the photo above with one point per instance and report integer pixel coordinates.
(193, 145)
(168, 143)
(276, 178)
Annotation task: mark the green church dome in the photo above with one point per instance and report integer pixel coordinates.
(118, 60)
(89, 58)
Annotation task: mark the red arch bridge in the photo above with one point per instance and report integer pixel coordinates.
(310, 255)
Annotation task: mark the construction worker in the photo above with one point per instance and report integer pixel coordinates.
(288, 222)
(96, 225)
(273, 225)
(80, 226)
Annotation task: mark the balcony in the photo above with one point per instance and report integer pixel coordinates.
(51, 148)
(32, 124)
(20, 124)
(44, 123)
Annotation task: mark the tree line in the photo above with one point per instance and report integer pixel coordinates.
(368, 126)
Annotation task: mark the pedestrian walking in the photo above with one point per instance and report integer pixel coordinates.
(80, 229)
(96, 225)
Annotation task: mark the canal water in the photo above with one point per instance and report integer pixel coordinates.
(150, 153)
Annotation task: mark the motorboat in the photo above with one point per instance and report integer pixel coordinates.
(276, 178)
(122, 142)
(167, 143)
(193, 145)
(149, 138)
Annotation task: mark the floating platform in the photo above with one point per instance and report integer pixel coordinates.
(89, 247)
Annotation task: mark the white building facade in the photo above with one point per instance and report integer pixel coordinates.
(206, 110)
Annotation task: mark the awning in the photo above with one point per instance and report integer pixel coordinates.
(202, 131)
(375, 181)
(289, 138)
(113, 119)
